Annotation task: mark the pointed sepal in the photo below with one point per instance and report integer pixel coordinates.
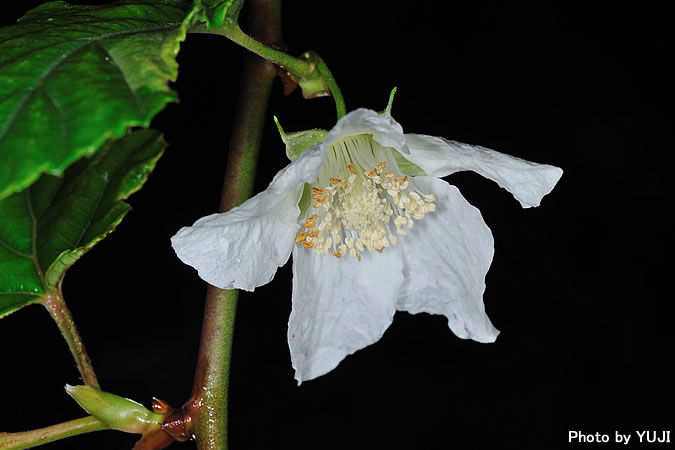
(299, 141)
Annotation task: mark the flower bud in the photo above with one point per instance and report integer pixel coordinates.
(117, 412)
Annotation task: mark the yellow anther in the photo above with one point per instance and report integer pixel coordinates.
(301, 237)
(358, 209)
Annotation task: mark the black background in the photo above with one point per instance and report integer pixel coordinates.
(575, 286)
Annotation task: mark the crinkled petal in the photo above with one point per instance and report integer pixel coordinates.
(365, 121)
(445, 259)
(339, 306)
(242, 248)
(528, 182)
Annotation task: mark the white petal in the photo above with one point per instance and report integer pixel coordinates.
(242, 248)
(528, 182)
(339, 306)
(366, 121)
(445, 259)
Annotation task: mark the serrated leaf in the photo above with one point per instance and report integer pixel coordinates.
(73, 76)
(51, 224)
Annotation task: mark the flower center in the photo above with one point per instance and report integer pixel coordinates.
(360, 203)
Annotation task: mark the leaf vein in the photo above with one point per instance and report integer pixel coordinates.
(13, 250)
(62, 114)
(90, 41)
(33, 219)
(20, 293)
(134, 94)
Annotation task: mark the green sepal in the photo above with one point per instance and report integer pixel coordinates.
(299, 141)
(390, 104)
(305, 200)
(116, 412)
(407, 167)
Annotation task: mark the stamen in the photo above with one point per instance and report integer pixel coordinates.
(301, 237)
(358, 206)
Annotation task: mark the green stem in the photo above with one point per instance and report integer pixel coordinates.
(207, 408)
(299, 68)
(296, 66)
(41, 436)
(54, 303)
(335, 91)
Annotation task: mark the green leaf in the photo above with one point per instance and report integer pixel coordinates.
(216, 13)
(49, 225)
(73, 76)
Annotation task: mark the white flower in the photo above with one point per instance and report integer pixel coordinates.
(368, 238)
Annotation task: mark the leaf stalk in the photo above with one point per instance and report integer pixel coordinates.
(56, 306)
(41, 436)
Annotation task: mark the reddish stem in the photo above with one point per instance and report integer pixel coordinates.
(206, 412)
(54, 303)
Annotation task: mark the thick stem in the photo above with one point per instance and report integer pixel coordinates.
(58, 309)
(207, 408)
(41, 436)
